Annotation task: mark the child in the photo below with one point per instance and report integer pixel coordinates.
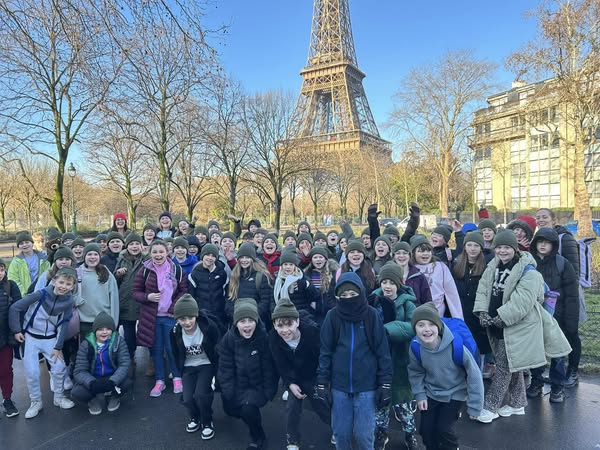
(270, 253)
(355, 364)
(38, 241)
(181, 257)
(295, 350)
(439, 385)
(101, 240)
(321, 274)
(9, 293)
(120, 224)
(357, 262)
(440, 237)
(523, 227)
(194, 340)
(101, 367)
(561, 278)
(201, 232)
(304, 244)
(165, 226)
(488, 231)
(246, 372)
(194, 245)
(44, 328)
(148, 235)
(77, 249)
(115, 245)
(289, 239)
(411, 276)
(382, 251)
(26, 267)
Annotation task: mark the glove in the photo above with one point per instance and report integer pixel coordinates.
(414, 210)
(322, 394)
(372, 211)
(485, 320)
(497, 322)
(101, 385)
(384, 396)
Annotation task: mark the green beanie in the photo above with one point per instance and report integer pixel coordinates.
(76, 242)
(285, 308)
(65, 236)
(213, 232)
(114, 235)
(201, 229)
(289, 233)
(186, 306)
(445, 231)
(103, 320)
(487, 223)
(247, 249)
(245, 308)
(53, 234)
(67, 272)
(319, 251)
(272, 237)
(319, 235)
(303, 237)
(401, 245)
(132, 237)
(180, 241)
(24, 236)
(391, 271)
(149, 226)
(385, 239)
(333, 232)
(91, 247)
(506, 237)
(474, 236)
(418, 239)
(356, 244)
(215, 223)
(64, 252)
(260, 231)
(101, 237)
(366, 232)
(288, 256)
(428, 311)
(391, 230)
(209, 249)
(230, 235)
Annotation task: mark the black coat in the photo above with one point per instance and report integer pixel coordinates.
(210, 340)
(246, 372)
(110, 260)
(566, 283)
(6, 337)
(297, 366)
(570, 248)
(263, 295)
(209, 288)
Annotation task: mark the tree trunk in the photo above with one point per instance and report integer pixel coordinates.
(57, 203)
(315, 212)
(163, 183)
(583, 212)
(277, 207)
(444, 184)
(3, 219)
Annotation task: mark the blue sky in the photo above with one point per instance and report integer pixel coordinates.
(267, 40)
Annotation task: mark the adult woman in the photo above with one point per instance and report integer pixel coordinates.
(165, 226)
(119, 224)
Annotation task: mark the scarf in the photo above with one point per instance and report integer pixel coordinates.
(354, 309)
(283, 283)
(166, 287)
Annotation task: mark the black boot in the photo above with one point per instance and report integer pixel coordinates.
(535, 389)
(557, 394)
(572, 378)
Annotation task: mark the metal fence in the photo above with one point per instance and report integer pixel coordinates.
(589, 331)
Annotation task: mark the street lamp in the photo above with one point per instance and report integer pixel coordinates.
(72, 172)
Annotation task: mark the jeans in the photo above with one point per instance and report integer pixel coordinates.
(250, 414)
(437, 424)
(293, 409)
(162, 345)
(129, 335)
(558, 373)
(353, 415)
(197, 392)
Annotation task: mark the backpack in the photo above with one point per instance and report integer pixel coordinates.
(585, 259)
(462, 338)
(550, 297)
(369, 324)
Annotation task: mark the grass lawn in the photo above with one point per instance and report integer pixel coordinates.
(589, 332)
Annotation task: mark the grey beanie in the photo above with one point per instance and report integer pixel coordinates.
(186, 306)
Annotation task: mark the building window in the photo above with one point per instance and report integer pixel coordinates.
(544, 171)
(592, 173)
(518, 175)
(483, 175)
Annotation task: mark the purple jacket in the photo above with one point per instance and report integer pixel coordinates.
(146, 283)
(417, 281)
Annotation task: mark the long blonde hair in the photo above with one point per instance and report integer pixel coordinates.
(329, 269)
(236, 274)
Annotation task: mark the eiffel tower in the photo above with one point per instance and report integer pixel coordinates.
(332, 111)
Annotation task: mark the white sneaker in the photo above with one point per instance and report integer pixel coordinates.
(507, 411)
(285, 395)
(34, 409)
(51, 383)
(192, 426)
(67, 383)
(63, 402)
(487, 416)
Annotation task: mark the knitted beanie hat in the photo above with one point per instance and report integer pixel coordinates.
(356, 244)
(53, 234)
(180, 241)
(418, 239)
(120, 215)
(285, 308)
(65, 236)
(391, 271)
(385, 239)
(149, 226)
(245, 308)
(247, 249)
(186, 306)
(168, 240)
(79, 241)
(201, 229)
(24, 236)
(101, 237)
(390, 229)
(114, 235)
(319, 235)
(487, 223)
(474, 236)
(428, 311)
(506, 237)
(445, 231)
(304, 222)
(209, 249)
(132, 237)
(213, 232)
(287, 234)
(365, 231)
(193, 241)
(288, 256)
(303, 237)
(523, 222)
(92, 247)
(401, 245)
(213, 222)
(64, 252)
(67, 272)
(333, 232)
(165, 214)
(103, 320)
(319, 251)
(271, 237)
(230, 235)
(260, 231)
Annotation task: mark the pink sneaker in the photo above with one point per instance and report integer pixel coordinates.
(177, 386)
(157, 389)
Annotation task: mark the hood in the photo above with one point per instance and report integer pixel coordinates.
(547, 234)
(351, 277)
(562, 230)
(62, 304)
(518, 223)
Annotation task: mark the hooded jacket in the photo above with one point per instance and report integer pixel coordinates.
(85, 363)
(566, 282)
(7, 299)
(418, 283)
(18, 271)
(208, 288)
(188, 264)
(129, 309)
(569, 247)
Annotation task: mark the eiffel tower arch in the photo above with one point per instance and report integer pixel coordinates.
(332, 113)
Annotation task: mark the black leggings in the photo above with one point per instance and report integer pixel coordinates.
(197, 392)
(575, 355)
(250, 414)
(437, 424)
(129, 335)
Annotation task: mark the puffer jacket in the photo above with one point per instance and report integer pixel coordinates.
(247, 289)
(272, 261)
(208, 288)
(6, 299)
(530, 333)
(18, 270)
(129, 309)
(419, 284)
(246, 372)
(569, 247)
(85, 363)
(566, 283)
(210, 339)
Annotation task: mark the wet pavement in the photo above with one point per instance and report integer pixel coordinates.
(159, 423)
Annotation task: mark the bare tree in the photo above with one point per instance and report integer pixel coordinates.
(293, 190)
(434, 110)
(566, 49)
(8, 186)
(344, 178)
(317, 183)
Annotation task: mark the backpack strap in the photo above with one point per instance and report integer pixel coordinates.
(458, 350)
(560, 264)
(258, 276)
(416, 348)
(35, 311)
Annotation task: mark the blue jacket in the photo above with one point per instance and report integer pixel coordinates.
(347, 362)
(188, 264)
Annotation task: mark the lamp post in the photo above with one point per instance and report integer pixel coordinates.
(72, 172)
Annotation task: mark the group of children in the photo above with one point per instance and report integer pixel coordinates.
(360, 326)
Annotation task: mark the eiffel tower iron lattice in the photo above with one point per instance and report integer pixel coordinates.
(332, 110)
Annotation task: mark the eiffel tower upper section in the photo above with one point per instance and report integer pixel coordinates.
(332, 105)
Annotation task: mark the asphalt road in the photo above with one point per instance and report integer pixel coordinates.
(159, 423)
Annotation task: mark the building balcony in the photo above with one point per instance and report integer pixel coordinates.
(490, 137)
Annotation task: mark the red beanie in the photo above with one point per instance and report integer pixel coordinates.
(120, 215)
(529, 221)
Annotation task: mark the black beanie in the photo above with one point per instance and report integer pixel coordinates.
(103, 320)
(428, 311)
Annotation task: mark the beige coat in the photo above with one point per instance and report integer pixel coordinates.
(531, 334)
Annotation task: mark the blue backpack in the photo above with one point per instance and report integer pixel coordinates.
(462, 338)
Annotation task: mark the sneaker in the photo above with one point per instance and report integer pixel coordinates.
(9, 408)
(34, 409)
(67, 383)
(208, 431)
(487, 416)
(293, 447)
(488, 371)
(157, 389)
(95, 407)
(535, 389)
(557, 395)
(51, 383)
(113, 403)
(332, 440)
(507, 411)
(410, 440)
(63, 402)
(285, 395)
(192, 426)
(177, 386)
(572, 379)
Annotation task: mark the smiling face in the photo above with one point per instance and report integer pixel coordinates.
(401, 257)
(381, 249)
(149, 235)
(544, 219)
(488, 234)
(428, 333)
(519, 233)
(437, 240)
(180, 252)
(92, 259)
(305, 246)
(246, 327)
(366, 240)
(318, 261)
(134, 248)
(389, 289)
(288, 268)
(120, 222)
(245, 262)
(165, 222)
(27, 246)
(115, 245)
(332, 239)
(193, 250)
(269, 246)
(77, 251)
(287, 328)
(215, 239)
(303, 228)
(208, 261)
(320, 243)
(505, 253)
(103, 334)
(423, 254)
(183, 226)
(62, 262)
(343, 244)
(289, 242)
(63, 284)
(355, 258)
(159, 254)
(258, 239)
(227, 244)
